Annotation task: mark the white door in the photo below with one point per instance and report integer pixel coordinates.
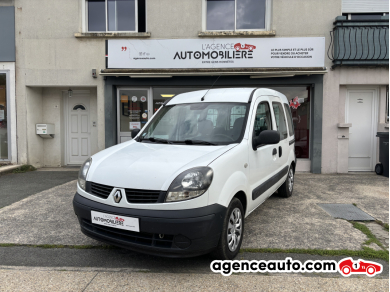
(263, 162)
(78, 129)
(361, 105)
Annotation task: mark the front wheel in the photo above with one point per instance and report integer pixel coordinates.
(232, 232)
(286, 189)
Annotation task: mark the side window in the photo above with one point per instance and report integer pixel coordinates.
(280, 120)
(263, 120)
(289, 120)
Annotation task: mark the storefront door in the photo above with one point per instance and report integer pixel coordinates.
(133, 111)
(361, 112)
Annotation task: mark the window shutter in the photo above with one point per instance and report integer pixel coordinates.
(364, 6)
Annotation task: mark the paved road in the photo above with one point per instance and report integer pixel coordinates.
(16, 187)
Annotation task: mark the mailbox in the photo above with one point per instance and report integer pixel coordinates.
(45, 130)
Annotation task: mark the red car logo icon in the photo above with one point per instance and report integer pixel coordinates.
(239, 47)
(348, 267)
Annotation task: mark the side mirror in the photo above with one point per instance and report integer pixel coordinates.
(266, 137)
(134, 132)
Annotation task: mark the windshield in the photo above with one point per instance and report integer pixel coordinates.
(198, 123)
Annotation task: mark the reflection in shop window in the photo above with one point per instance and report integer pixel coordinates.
(299, 101)
(3, 118)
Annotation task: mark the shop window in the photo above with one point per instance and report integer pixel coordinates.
(162, 94)
(133, 111)
(237, 14)
(116, 15)
(299, 102)
(3, 118)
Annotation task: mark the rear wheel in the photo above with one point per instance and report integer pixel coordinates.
(232, 232)
(286, 189)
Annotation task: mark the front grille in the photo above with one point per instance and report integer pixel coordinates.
(141, 238)
(144, 196)
(101, 191)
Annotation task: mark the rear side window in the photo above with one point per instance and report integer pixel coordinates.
(263, 120)
(289, 119)
(280, 120)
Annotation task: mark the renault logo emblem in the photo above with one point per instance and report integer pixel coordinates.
(117, 196)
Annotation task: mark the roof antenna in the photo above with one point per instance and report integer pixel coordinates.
(202, 99)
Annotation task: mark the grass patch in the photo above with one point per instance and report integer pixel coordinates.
(371, 237)
(365, 253)
(59, 246)
(24, 168)
(384, 225)
(354, 204)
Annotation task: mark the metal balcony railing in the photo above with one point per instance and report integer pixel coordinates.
(359, 43)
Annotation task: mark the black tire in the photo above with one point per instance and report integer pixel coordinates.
(286, 190)
(223, 252)
(379, 169)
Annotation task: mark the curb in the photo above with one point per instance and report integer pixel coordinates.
(8, 168)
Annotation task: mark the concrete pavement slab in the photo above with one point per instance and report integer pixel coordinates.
(29, 280)
(43, 280)
(296, 222)
(17, 186)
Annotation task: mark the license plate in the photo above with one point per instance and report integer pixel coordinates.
(115, 221)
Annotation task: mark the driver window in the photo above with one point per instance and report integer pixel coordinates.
(263, 119)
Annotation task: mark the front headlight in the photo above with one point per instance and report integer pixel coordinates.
(190, 184)
(83, 173)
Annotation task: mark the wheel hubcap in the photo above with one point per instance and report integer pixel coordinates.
(234, 229)
(290, 180)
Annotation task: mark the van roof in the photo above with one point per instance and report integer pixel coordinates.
(240, 95)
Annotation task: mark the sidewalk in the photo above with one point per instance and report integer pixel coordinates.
(84, 280)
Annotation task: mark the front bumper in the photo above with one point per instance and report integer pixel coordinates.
(171, 233)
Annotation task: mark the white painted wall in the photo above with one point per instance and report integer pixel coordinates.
(334, 151)
(50, 58)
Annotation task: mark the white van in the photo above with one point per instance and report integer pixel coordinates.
(185, 183)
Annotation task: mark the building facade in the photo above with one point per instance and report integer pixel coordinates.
(95, 69)
(8, 147)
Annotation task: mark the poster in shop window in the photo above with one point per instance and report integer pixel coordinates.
(216, 53)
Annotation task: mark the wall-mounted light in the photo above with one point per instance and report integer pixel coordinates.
(70, 92)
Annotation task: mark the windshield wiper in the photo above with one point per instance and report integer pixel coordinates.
(193, 142)
(152, 139)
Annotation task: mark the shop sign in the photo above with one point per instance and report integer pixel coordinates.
(216, 53)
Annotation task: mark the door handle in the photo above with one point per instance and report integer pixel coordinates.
(280, 151)
(274, 152)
